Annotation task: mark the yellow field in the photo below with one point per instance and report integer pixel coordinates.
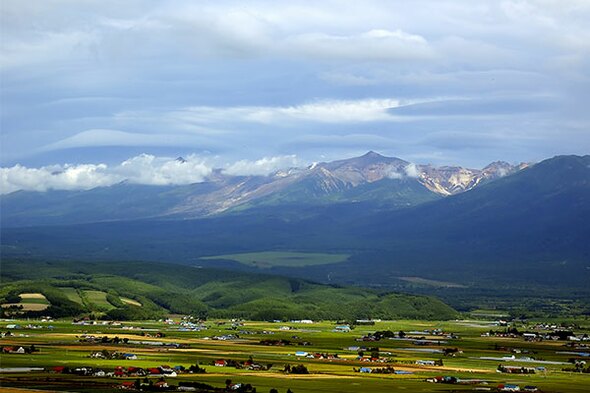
(32, 296)
(28, 306)
(30, 302)
(130, 301)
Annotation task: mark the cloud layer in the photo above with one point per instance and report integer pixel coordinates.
(143, 169)
(448, 81)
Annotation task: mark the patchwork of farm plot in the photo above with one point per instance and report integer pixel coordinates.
(303, 356)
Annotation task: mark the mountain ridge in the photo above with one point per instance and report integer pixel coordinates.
(387, 181)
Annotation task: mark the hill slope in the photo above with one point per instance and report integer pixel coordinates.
(533, 226)
(136, 290)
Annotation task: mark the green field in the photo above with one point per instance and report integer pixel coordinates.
(431, 283)
(98, 299)
(60, 345)
(268, 259)
(72, 294)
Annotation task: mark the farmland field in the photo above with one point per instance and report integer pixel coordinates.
(30, 302)
(72, 294)
(98, 299)
(268, 259)
(332, 358)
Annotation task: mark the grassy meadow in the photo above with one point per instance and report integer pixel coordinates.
(268, 259)
(59, 344)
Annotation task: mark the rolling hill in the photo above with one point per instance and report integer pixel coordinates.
(138, 290)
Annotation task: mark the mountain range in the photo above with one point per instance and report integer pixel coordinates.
(385, 181)
(502, 232)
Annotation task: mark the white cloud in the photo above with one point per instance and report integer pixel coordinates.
(376, 44)
(142, 169)
(148, 169)
(323, 111)
(261, 167)
(105, 137)
(50, 47)
(67, 177)
(393, 174)
(412, 170)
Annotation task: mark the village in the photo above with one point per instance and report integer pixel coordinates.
(207, 353)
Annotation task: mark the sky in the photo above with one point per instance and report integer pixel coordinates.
(95, 92)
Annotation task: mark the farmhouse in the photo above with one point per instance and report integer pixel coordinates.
(14, 350)
(509, 388)
(443, 379)
(515, 369)
(127, 385)
(342, 329)
(529, 336)
(136, 372)
(425, 362)
(154, 371)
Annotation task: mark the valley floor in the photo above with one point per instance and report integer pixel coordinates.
(102, 356)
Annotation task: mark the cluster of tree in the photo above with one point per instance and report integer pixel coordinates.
(105, 340)
(381, 334)
(12, 297)
(157, 335)
(10, 311)
(561, 334)
(580, 366)
(203, 387)
(297, 369)
(374, 351)
(450, 351)
(105, 354)
(378, 370)
(196, 369)
(238, 387)
(280, 342)
(515, 370)
(508, 331)
(114, 340)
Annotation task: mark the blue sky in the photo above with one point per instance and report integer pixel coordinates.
(261, 84)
